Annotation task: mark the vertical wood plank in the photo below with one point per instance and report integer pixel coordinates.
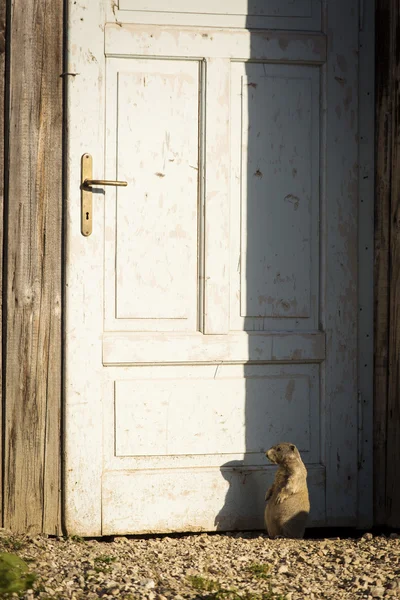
(393, 408)
(383, 136)
(33, 324)
(3, 8)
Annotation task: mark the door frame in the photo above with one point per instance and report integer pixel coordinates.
(366, 207)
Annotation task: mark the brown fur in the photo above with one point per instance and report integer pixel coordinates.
(288, 504)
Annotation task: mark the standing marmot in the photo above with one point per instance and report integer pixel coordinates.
(287, 499)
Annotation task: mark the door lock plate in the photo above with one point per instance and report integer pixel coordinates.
(86, 195)
(86, 192)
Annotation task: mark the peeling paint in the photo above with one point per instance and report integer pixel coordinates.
(289, 390)
(91, 57)
(341, 80)
(295, 200)
(178, 232)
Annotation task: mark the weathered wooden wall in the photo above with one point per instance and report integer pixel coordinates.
(387, 266)
(33, 267)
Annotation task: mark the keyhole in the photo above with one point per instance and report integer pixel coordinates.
(87, 216)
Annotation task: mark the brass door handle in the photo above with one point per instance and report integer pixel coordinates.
(86, 192)
(90, 182)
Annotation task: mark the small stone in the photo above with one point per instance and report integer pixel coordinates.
(283, 569)
(393, 585)
(148, 584)
(377, 591)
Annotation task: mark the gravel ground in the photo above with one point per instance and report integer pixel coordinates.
(237, 566)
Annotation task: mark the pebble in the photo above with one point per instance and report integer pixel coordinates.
(283, 569)
(377, 591)
(187, 567)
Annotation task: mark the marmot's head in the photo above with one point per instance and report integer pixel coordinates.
(283, 454)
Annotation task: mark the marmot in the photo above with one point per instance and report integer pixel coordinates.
(287, 499)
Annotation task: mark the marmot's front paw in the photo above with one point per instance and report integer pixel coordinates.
(281, 498)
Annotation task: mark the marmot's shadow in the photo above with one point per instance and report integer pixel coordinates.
(245, 499)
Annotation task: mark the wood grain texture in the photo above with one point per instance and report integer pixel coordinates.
(383, 136)
(2, 146)
(393, 407)
(33, 327)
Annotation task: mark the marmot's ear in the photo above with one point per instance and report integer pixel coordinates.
(292, 447)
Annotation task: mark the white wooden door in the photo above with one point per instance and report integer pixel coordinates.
(212, 311)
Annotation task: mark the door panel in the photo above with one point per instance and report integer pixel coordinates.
(207, 43)
(284, 8)
(138, 348)
(214, 499)
(281, 287)
(237, 403)
(203, 313)
(275, 157)
(267, 14)
(151, 241)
